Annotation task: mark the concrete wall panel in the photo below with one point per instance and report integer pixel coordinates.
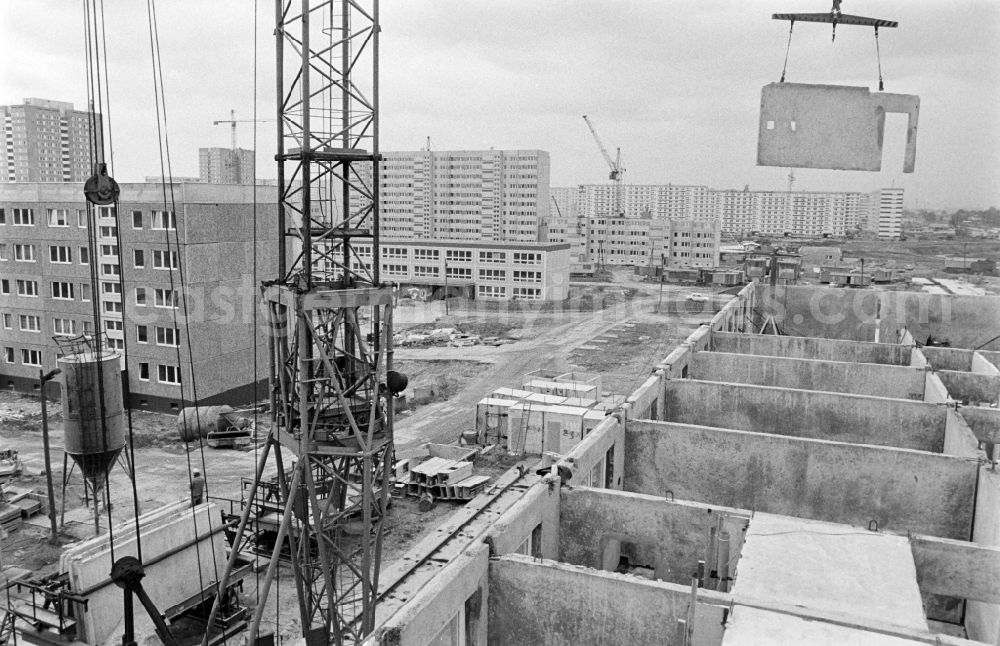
(539, 506)
(798, 347)
(676, 533)
(824, 312)
(904, 491)
(948, 358)
(555, 604)
(872, 379)
(971, 387)
(804, 413)
(965, 321)
(437, 604)
(587, 457)
(982, 620)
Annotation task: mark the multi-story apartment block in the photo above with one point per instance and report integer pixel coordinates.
(226, 165)
(668, 242)
(488, 195)
(46, 141)
(46, 291)
(796, 213)
(886, 218)
(484, 271)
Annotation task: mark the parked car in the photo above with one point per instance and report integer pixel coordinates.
(698, 297)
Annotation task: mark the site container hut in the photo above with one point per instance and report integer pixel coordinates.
(492, 419)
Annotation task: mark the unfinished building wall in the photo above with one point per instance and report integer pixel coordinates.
(668, 537)
(598, 460)
(826, 312)
(877, 380)
(804, 413)
(531, 525)
(982, 619)
(555, 604)
(453, 607)
(798, 347)
(964, 321)
(901, 490)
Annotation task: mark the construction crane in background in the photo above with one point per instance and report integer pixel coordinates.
(232, 121)
(617, 172)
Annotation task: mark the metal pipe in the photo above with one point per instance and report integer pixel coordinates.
(42, 380)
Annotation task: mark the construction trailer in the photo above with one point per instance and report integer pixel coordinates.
(549, 428)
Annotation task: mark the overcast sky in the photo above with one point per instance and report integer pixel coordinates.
(675, 84)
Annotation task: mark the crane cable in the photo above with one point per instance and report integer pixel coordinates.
(878, 56)
(788, 47)
(256, 396)
(121, 287)
(169, 221)
(95, 90)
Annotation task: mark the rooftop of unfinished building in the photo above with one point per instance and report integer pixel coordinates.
(806, 466)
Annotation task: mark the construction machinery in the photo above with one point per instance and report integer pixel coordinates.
(232, 121)
(329, 320)
(617, 174)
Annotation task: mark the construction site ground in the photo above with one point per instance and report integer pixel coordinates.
(927, 257)
(619, 341)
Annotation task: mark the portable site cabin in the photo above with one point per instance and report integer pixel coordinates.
(552, 428)
(492, 419)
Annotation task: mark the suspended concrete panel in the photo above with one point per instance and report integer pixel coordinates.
(830, 126)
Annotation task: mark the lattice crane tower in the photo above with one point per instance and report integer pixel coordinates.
(329, 320)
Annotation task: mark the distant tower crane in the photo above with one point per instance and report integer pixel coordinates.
(617, 172)
(232, 121)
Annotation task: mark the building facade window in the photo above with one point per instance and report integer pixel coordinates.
(165, 298)
(62, 290)
(138, 258)
(167, 374)
(31, 357)
(136, 219)
(63, 327)
(165, 259)
(27, 288)
(168, 336)
(144, 371)
(492, 291)
(142, 334)
(60, 255)
(24, 253)
(140, 296)
(23, 217)
(492, 274)
(164, 220)
(29, 323)
(58, 217)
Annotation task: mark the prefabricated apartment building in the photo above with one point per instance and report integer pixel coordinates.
(832, 484)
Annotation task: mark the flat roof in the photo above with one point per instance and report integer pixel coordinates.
(828, 567)
(474, 244)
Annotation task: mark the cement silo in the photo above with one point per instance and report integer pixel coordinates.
(93, 414)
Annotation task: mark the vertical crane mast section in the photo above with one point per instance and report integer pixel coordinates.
(617, 172)
(329, 323)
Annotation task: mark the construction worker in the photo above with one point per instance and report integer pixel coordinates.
(197, 489)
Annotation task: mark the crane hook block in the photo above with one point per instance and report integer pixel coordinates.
(101, 189)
